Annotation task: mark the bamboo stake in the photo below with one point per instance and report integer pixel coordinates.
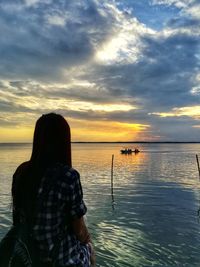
(112, 193)
(198, 165)
(198, 212)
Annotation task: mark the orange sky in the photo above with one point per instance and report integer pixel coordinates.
(82, 130)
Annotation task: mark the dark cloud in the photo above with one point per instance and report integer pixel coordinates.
(35, 45)
(162, 78)
(92, 93)
(9, 106)
(175, 128)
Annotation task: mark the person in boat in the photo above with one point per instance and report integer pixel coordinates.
(47, 193)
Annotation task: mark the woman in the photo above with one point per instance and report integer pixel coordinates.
(47, 194)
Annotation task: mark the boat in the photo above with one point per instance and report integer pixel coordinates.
(129, 151)
(126, 151)
(136, 150)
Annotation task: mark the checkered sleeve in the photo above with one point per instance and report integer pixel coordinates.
(77, 205)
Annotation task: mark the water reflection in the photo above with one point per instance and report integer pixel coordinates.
(161, 228)
(10, 157)
(154, 222)
(156, 194)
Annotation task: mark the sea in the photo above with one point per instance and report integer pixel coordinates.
(147, 216)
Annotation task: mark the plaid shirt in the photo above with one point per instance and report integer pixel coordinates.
(60, 196)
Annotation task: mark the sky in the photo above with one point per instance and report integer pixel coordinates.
(124, 70)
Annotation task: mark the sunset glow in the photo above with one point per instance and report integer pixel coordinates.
(106, 131)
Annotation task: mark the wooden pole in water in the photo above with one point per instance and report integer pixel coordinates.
(198, 165)
(112, 194)
(198, 212)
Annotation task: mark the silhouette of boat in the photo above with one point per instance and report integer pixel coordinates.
(129, 151)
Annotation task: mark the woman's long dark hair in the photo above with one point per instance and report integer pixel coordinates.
(51, 145)
(51, 141)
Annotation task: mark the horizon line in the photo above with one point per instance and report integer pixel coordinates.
(116, 142)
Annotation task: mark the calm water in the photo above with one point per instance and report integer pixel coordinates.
(156, 193)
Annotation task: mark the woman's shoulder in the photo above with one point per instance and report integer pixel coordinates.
(19, 173)
(62, 172)
(65, 173)
(21, 168)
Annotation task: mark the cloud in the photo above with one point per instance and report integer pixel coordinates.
(163, 75)
(30, 3)
(193, 112)
(194, 11)
(56, 20)
(96, 60)
(50, 37)
(177, 3)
